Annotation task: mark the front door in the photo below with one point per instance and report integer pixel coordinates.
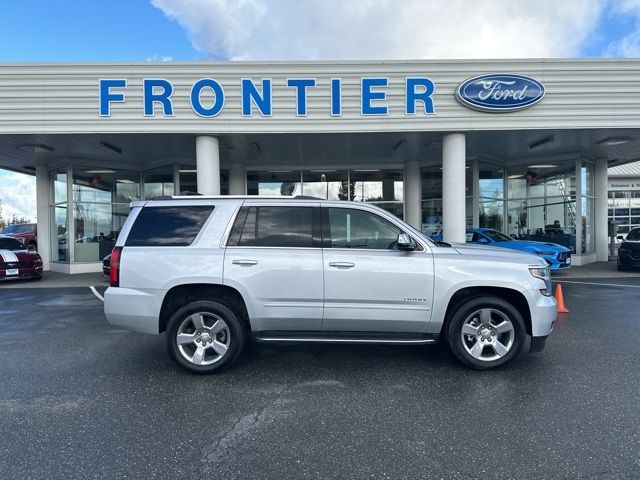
(370, 285)
(274, 259)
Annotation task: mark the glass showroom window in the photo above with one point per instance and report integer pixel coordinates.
(188, 180)
(328, 184)
(431, 200)
(279, 183)
(159, 182)
(588, 202)
(384, 188)
(101, 200)
(491, 196)
(542, 203)
(58, 215)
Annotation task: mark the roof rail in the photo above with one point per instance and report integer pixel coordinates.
(199, 196)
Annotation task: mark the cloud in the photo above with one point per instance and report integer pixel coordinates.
(629, 45)
(17, 193)
(384, 29)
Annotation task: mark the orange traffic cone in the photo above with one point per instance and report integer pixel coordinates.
(560, 300)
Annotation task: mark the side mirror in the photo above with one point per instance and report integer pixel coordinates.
(620, 237)
(405, 242)
(31, 248)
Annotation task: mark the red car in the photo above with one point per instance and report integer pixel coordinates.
(27, 233)
(18, 261)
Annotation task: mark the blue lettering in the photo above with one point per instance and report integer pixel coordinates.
(106, 97)
(301, 85)
(336, 97)
(424, 95)
(151, 96)
(250, 94)
(369, 95)
(218, 92)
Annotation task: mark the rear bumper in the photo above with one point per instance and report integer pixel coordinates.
(132, 309)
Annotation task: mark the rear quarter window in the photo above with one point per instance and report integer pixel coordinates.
(168, 226)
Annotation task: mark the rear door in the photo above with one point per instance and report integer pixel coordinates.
(370, 285)
(274, 259)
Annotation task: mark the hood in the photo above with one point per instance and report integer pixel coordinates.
(532, 245)
(499, 253)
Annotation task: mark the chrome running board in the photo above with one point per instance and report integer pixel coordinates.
(395, 341)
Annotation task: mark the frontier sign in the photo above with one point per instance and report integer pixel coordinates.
(207, 96)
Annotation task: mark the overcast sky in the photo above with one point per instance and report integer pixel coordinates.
(138, 30)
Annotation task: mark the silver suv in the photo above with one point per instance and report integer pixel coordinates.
(214, 272)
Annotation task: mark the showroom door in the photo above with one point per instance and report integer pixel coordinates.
(370, 285)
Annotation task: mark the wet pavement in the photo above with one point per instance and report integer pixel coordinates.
(82, 399)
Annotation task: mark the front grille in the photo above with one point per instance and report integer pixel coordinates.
(6, 265)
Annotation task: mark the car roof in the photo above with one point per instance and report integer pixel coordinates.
(196, 199)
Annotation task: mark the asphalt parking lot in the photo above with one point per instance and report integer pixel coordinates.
(81, 399)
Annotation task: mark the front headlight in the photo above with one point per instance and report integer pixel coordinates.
(543, 273)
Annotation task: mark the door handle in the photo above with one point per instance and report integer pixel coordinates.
(342, 265)
(245, 263)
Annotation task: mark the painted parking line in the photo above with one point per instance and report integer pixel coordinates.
(599, 284)
(95, 292)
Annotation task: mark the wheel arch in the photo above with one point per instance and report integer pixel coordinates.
(180, 295)
(514, 297)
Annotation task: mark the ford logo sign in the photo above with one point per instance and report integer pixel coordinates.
(504, 92)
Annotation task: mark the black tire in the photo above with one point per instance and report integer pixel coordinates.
(236, 332)
(464, 311)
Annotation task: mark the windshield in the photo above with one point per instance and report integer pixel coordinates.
(8, 243)
(18, 228)
(634, 235)
(496, 236)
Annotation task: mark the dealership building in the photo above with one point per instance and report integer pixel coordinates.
(522, 146)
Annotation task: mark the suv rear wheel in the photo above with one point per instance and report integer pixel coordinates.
(486, 332)
(205, 336)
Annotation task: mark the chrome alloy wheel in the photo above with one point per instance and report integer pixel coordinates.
(487, 334)
(203, 338)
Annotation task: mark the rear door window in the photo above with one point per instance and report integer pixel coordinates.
(267, 226)
(168, 226)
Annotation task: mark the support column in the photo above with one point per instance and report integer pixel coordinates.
(237, 179)
(453, 187)
(208, 165)
(601, 217)
(412, 194)
(42, 213)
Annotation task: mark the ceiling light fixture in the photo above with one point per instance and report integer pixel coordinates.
(113, 148)
(124, 180)
(543, 165)
(399, 144)
(187, 170)
(99, 171)
(511, 177)
(366, 170)
(541, 142)
(36, 148)
(613, 141)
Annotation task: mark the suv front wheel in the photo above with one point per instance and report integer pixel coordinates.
(205, 336)
(486, 332)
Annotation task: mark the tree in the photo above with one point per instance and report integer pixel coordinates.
(2, 222)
